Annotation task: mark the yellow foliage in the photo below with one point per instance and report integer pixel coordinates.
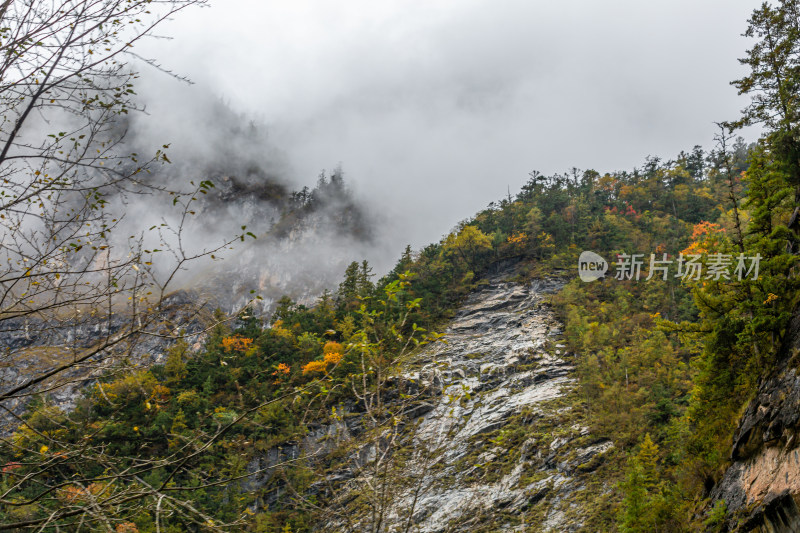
(467, 243)
(314, 366)
(332, 347)
(160, 394)
(104, 391)
(332, 358)
(770, 298)
(127, 389)
(280, 331)
(236, 343)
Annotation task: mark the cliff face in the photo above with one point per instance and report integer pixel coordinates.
(499, 441)
(511, 451)
(30, 347)
(761, 489)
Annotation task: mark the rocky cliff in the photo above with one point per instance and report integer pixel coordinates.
(498, 442)
(761, 488)
(30, 347)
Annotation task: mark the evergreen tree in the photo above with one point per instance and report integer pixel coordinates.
(347, 295)
(641, 489)
(175, 367)
(774, 84)
(365, 275)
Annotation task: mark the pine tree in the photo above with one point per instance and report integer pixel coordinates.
(641, 488)
(647, 458)
(175, 367)
(347, 294)
(177, 429)
(773, 84)
(365, 275)
(634, 505)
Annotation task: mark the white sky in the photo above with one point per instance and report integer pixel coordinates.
(435, 107)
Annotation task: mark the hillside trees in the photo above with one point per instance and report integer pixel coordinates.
(384, 459)
(742, 320)
(70, 259)
(469, 247)
(773, 85)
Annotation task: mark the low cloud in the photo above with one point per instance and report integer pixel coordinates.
(435, 109)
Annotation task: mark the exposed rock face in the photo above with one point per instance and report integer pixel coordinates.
(32, 347)
(509, 450)
(762, 487)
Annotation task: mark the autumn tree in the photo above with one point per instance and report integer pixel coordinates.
(468, 246)
(379, 454)
(71, 260)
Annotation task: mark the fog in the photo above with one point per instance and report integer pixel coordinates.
(436, 108)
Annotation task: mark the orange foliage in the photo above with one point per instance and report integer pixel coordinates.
(332, 358)
(75, 494)
(315, 366)
(517, 239)
(71, 494)
(332, 347)
(703, 237)
(283, 369)
(236, 343)
(704, 228)
(127, 527)
(11, 466)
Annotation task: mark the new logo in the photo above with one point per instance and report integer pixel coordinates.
(591, 266)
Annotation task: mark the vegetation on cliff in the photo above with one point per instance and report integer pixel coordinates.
(666, 362)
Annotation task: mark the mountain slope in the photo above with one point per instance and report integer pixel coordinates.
(502, 442)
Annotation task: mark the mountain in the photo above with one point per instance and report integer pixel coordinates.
(600, 352)
(499, 439)
(545, 403)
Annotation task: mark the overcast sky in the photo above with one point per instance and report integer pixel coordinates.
(434, 108)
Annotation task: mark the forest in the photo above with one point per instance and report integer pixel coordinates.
(665, 365)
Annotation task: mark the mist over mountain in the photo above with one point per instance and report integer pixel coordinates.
(208, 326)
(306, 232)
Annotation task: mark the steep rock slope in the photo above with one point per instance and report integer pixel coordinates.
(761, 489)
(509, 448)
(30, 347)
